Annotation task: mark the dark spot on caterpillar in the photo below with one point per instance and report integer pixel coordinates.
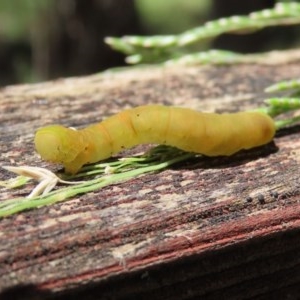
(261, 198)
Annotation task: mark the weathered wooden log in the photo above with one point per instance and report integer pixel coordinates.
(210, 228)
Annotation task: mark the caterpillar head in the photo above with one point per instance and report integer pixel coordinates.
(58, 144)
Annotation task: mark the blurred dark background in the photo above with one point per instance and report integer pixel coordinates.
(47, 39)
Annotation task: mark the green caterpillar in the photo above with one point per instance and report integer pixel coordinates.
(206, 133)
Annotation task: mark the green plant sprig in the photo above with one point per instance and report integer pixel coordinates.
(160, 48)
(158, 158)
(282, 86)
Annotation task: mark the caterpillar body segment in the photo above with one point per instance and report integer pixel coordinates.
(206, 133)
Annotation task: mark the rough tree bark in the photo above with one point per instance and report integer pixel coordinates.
(211, 228)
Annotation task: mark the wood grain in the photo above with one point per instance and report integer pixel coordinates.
(210, 228)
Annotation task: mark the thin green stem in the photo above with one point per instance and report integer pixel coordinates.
(278, 106)
(12, 206)
(287, 122)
